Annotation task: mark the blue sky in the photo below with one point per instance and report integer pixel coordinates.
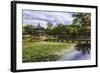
(44, 17)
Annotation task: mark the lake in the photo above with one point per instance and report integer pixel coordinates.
(75, 55)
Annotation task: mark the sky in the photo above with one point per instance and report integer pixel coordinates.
(44, 17)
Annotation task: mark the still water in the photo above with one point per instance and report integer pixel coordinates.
(75, 55)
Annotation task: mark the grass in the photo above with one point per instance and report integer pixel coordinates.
(44, 51)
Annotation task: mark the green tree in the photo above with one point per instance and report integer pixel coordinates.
(73, 30)
(28, 29)
(59, 30)
(84, 21)
(49, 29)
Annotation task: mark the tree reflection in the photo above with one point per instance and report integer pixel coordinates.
(83, 47)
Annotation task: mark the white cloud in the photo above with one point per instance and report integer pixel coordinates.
(44, 17)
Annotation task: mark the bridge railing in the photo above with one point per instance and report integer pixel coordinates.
(69, 40)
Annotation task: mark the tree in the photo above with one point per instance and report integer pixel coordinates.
(72, 30)
(28, 29)
(59, 30)
(84, 21)
(49, 28)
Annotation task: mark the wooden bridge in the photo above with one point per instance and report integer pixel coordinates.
(70, 40)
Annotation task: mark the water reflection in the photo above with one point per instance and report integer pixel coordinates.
(81, 52)
(83, 47)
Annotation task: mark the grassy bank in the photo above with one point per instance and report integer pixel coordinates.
(44, 51)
